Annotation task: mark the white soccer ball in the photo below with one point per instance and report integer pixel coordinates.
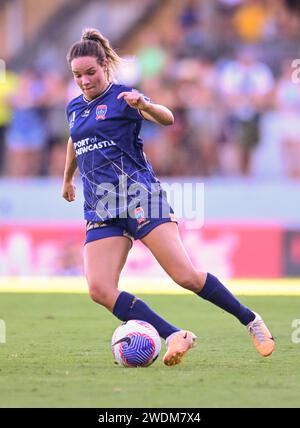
(135, 343)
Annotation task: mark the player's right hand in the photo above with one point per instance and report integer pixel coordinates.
(68, 191)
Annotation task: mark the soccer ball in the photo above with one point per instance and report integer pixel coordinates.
(135, 343)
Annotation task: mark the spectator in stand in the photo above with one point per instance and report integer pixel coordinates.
(250, 19)
(26, 135)
(245, 85)
(151, 56)
(197, 93)
(190, 14)
(8, 87)
(287, 105)
(53, 114)
(56, 159)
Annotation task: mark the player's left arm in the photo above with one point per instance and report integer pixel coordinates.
(154, 112)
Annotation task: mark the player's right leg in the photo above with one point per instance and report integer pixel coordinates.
(104, 259)
(103, 262)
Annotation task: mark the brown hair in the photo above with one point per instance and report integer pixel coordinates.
(93, 43)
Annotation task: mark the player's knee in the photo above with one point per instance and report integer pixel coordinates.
(189, 280)
(100, 295)
(95, 295)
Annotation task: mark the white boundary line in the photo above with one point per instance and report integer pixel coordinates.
(78, 285)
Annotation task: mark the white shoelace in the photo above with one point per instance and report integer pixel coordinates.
(256, 330)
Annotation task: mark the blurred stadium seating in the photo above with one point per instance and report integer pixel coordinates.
(224, 68)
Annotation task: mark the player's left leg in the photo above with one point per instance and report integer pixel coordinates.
(165, 244)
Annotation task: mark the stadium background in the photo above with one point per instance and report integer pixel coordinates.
(240, 137)
(225, 68)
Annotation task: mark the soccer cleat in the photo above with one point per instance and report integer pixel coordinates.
(177, 346)
(261, 336)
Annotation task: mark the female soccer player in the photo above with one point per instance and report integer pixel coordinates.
(124, 200)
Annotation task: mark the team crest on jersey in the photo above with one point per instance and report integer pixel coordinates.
(139, 215)
(101, 111)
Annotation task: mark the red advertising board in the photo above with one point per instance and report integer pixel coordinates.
(232, 251)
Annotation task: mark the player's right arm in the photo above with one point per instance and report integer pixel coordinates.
(69, 188)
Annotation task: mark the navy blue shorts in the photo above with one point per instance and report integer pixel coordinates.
(134, 226)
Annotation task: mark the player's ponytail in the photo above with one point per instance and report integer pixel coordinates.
(93, 43)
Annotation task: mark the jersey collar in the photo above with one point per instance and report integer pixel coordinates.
(99, 96)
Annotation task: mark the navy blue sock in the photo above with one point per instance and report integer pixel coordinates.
(215, 292)
(128, 307)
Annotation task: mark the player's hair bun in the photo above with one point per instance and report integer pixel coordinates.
(101, 50)
(91, 34)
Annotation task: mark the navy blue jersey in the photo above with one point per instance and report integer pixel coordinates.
(109, 153)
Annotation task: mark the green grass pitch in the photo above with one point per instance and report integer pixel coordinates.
(57, 354)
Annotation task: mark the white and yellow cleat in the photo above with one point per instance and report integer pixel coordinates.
(261, 336)
(177, 346)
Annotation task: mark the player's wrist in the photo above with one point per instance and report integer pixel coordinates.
(146, 107)
(67, 179)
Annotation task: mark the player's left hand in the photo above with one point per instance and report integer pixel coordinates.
(134, 99)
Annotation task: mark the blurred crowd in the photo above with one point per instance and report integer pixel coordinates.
(227, 74)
